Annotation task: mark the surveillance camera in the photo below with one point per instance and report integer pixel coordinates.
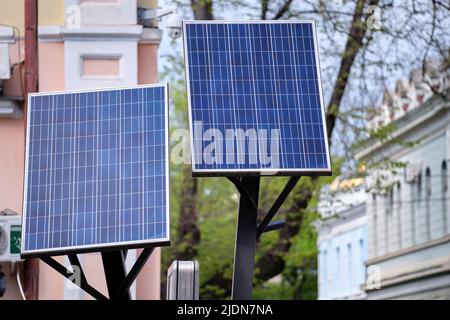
(174, 26)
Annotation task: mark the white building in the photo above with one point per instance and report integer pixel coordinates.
(342, 240)
(409, 222)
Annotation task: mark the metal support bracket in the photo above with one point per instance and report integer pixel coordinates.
(134, 272)
(277, 205)
(118, 282)
(70, 275)
(242, 188)
(275, 225)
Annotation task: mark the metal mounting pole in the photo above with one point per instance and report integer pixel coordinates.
(244, 254)
(115, 274)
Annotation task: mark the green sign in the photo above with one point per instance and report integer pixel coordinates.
(15, 236)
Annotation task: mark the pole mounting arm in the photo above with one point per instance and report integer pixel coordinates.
(264, 225)
(83, 284)
(277, 205)
(243, 191)
(118, 287)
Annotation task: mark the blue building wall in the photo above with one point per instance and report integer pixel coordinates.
(341, 264)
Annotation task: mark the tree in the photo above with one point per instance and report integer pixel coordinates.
(355, 37)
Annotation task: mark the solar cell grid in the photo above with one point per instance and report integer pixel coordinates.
(255, 98)
(96, 169)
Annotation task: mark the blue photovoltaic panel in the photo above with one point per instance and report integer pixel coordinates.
(255, 98)
(96, 170)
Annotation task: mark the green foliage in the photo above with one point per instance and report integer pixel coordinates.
(216, 254)
(273, 291)
(299, 277)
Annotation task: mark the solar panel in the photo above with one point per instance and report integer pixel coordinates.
(96, 173)
(255, 98)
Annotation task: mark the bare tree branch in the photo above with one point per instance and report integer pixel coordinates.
(272, 262)
(354, 43)
(283, 10)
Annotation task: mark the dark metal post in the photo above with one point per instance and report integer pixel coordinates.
(244, 254)
(115, 274)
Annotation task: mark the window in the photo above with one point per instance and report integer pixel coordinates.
(324, 272)
(399, 214)
(416, 193)
(444, 195)
(374, 225)
(390, 202)
(419, 185)
(337, 279)
(388, 216)
(428, 182)
(444, 176)
(428, 203)
(362, 257)
(349, 283)
(100, 66)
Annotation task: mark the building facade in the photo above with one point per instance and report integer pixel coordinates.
(408, 216)
(82, 44)
(342, 240)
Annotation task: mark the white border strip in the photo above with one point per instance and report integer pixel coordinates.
(85, 248)
(261, 171)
